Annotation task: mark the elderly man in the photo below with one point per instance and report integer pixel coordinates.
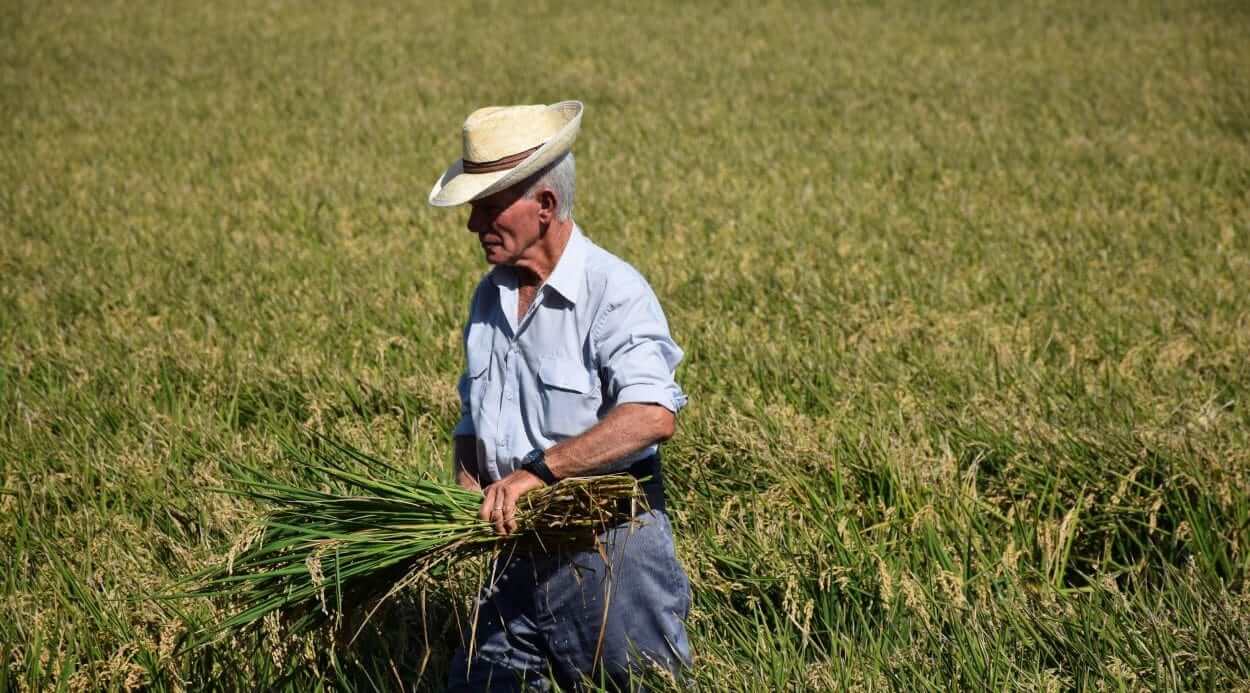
(569, 372)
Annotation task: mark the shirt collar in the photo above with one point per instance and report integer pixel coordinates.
(567, 277)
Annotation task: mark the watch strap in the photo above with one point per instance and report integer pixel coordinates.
(536, 464)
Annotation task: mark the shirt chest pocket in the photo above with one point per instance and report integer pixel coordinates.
(570, 400)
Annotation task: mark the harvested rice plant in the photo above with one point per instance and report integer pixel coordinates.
(964, 290)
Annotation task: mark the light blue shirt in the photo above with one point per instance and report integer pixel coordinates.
(594, 337)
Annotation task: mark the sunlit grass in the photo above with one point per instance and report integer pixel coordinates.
(962, 289)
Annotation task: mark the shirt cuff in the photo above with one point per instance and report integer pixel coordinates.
(464, 427)
(671, 398)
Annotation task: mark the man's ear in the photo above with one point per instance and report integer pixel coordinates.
(547, 203)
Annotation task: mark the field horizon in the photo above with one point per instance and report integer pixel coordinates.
(967, 353)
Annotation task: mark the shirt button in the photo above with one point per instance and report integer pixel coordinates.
(508, 395)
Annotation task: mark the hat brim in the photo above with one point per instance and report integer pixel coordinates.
(455, 187)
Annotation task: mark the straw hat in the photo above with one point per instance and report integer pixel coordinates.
(504, 145)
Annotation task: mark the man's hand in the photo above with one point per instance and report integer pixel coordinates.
(499, 505)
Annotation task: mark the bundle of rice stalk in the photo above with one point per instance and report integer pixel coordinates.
(371, 529)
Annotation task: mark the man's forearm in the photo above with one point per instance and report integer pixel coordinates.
(465, 463)
(626, 429)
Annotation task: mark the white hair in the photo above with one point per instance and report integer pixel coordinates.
(560, 176)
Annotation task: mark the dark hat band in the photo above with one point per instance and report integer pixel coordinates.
(503, 164)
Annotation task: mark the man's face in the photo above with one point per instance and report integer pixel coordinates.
(507, 224)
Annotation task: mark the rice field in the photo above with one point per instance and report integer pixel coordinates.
(964, 289)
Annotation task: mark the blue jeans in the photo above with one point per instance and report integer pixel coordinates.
(541, 619)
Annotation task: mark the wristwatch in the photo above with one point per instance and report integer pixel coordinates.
(535, 462)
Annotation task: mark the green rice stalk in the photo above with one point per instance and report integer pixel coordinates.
(368, 530)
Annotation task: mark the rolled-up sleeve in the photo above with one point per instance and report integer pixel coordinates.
(637, 355)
